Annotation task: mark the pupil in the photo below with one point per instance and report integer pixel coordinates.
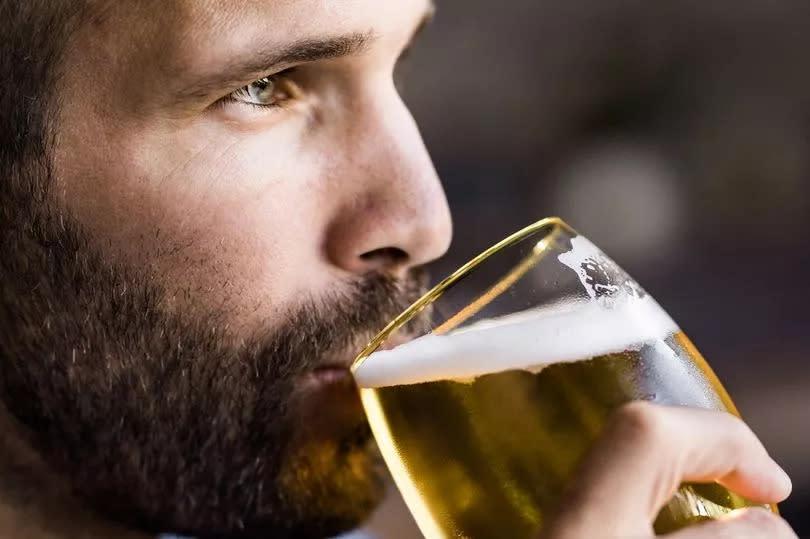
(262, 89)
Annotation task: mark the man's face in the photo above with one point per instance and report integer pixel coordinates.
(238, 201)
(246, 196)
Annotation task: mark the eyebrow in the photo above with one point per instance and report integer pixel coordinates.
(300, 52)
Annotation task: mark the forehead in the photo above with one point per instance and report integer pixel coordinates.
(285, 17)
(172, 25)
(143, 49)
(227, 13)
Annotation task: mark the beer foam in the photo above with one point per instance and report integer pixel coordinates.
(529, 340)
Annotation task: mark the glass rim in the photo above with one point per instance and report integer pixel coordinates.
(553, 223)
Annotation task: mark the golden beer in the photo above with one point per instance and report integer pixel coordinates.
(483, 427)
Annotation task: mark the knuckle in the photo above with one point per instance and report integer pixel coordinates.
(640, 421)
(737, 425)
(741, 435)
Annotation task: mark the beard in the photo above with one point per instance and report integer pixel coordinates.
(160, 420)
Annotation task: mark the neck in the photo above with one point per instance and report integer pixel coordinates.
(35, 502)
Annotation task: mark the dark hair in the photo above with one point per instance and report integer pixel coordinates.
(35, 33)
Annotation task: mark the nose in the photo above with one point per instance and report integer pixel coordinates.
(393, 213)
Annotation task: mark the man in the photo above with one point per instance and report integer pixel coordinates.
(207, 207)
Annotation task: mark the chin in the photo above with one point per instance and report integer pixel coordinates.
(326, 510)
(336, 487)
(324, 489)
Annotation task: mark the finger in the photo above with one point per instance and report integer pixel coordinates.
(647, 451)
(751, 523)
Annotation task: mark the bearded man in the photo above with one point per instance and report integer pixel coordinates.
(206, 207)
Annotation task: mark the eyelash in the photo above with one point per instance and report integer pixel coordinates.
(281, 78)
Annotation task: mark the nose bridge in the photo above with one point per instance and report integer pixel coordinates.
(391, 147)
(395, 199)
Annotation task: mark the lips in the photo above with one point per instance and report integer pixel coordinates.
(336, 374)
(327, 399)
(331, 374)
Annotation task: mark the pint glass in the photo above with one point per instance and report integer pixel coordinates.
(486, 393)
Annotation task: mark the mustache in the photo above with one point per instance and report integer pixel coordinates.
(342, 321)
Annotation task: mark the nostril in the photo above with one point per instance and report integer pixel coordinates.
(385, 257)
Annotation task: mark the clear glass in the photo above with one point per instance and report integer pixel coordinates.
(485, 394)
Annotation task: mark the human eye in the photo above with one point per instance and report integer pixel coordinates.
(270, 92)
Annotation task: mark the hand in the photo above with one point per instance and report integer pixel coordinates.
(641, 459)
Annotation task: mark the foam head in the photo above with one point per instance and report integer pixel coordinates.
(528, 340)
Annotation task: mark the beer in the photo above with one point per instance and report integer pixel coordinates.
(482, 427)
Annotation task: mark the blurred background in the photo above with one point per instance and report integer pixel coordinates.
(675, 134)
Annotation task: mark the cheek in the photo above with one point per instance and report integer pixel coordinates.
(224, 223)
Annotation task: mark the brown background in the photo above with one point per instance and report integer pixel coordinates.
(676, 135)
